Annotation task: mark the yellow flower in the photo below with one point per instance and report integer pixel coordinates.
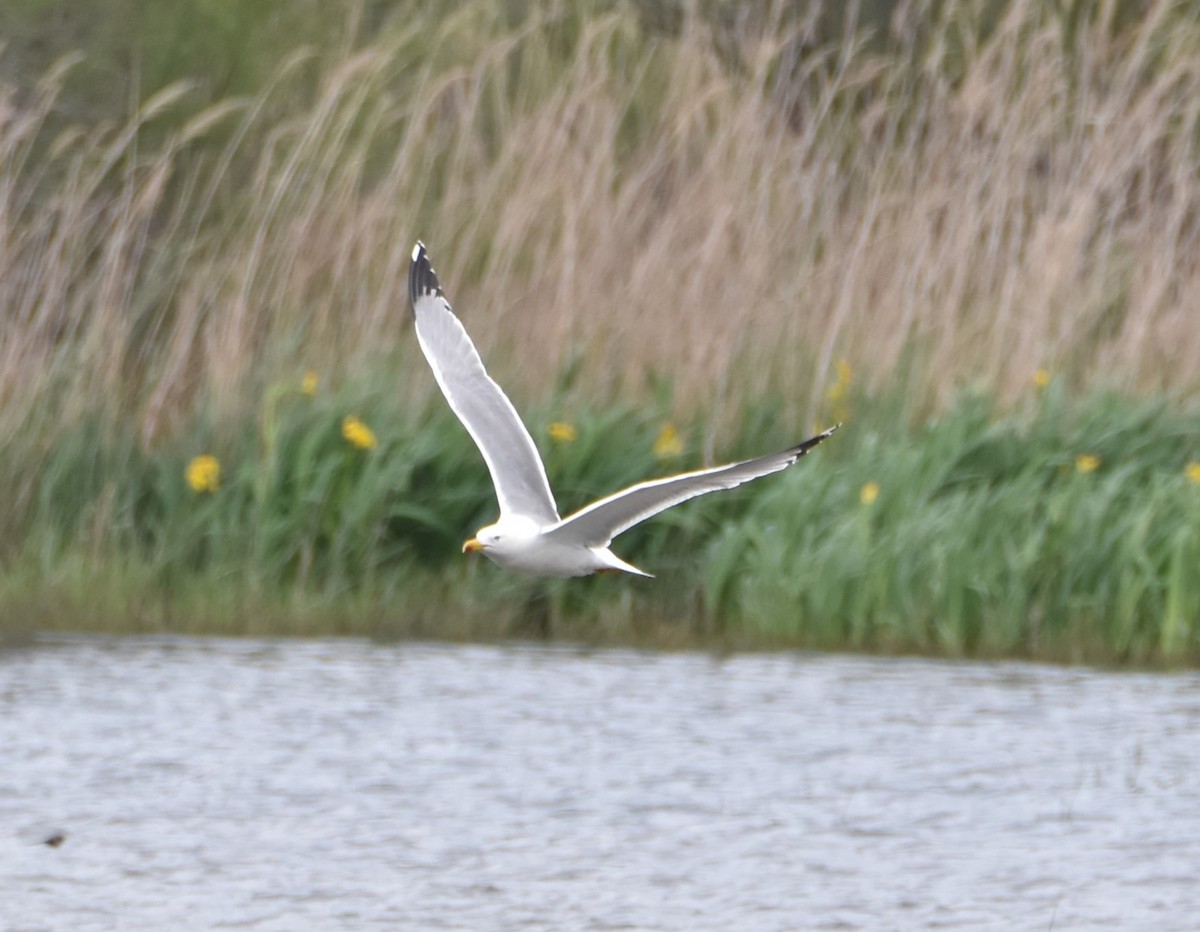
(845, 375)
(358, 433)
(839, 391)
(1041, 378)
(1087, 462)
(561, 432)
(1193, 472)
(868, 493)
(203, 473)
(667, 444)
(308, 384)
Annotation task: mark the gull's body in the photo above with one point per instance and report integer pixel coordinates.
(529, 535)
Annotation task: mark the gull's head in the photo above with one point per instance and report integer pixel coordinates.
(505, 535)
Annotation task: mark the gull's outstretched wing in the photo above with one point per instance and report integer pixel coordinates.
(485, 411)
(598, 523)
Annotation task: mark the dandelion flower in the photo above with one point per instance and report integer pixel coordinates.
(839, 391)
(667, 444)
(1087, 462)
(203, 473)
(1193, 472)
(868, 493)
(845, 375)
(358, 433)
(308, 384)
(1041, 378)
(561, 432)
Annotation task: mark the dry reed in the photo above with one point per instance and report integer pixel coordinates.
(729, 217)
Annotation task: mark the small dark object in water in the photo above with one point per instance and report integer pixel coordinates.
(54, 839)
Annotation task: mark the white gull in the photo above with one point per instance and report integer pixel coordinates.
(529, 535)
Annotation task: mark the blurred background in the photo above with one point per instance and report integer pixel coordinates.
(680, 233)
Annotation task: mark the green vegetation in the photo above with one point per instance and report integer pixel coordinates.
(1060, 530)
(645, 219)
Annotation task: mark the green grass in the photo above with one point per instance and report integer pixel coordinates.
(643, 218)
(985, 538)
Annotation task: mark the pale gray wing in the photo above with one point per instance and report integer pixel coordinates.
(485, 411)
(598, 523)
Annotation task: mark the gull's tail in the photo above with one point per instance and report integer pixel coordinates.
(614, 564)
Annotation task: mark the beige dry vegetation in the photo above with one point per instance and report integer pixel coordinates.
(731, 218)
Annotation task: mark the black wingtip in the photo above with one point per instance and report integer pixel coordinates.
(800, 449)
(422, 279)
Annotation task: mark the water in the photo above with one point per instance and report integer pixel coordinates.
(344, 785)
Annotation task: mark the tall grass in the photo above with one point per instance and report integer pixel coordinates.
(1068, 530)
(707, 216)
(732, 218)
(1065, 529)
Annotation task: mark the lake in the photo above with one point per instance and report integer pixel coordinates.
(341, 784)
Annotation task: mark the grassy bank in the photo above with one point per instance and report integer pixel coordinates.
(1062, 530)
(644, 220)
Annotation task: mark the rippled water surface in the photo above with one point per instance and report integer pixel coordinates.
(345, 785)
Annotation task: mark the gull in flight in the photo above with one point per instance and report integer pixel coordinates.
(529, 535)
